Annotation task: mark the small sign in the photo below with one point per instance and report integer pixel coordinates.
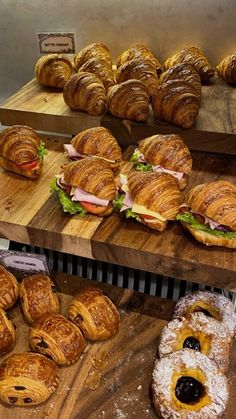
(56, 42)
(23, 264)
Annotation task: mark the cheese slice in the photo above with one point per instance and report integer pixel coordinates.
(140, 209)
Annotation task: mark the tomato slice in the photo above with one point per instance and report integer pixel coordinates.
(147, 217)
(93, 208)
(29, 165)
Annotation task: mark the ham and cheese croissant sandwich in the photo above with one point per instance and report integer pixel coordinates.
(164, 153)
(151, 198)
(95, 142)
(210, 213)
(22, 151)
(86, 186)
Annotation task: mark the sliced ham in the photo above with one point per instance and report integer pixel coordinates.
(79, 194)
(127, 203)
(177, 175)
(72, 151)
(212, 224)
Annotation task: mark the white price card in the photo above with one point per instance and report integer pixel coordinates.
(56, 42)
(23, 264)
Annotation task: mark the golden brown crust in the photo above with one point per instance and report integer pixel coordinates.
(7, 333)
(85, 92)
(101, 68)
(57, 338)
(38, 297)
(53, 70)
(186, 72)
(9, 289)
(209, 239)
(92, 175)
(141, 52)
(15, 168)
(94, 50)
(94, 314)
(192, 55)
(129, 100)
(141, 69)
(227, 68)
(27, 379)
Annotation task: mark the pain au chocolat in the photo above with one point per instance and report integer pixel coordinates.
(9, 289)
(53, 70)
(7, 333)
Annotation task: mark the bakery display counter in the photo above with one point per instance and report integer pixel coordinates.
(29, 213)
(112, 378)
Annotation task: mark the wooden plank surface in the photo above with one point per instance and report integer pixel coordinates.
(29, 214)
(112, 378)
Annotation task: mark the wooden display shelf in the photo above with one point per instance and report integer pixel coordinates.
(112, 378)
(30, 214)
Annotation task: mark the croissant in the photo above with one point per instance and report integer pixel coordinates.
(96, 50)
(129, 100)
(85, 92)
(53, 70)
(7, 333)
(27, 379)
(9, 289)
(184, 72)
(21, 151)
(101, 68)
(95, 314)
(141, 69)
(192, 55)
(227, 69)
(141, 52)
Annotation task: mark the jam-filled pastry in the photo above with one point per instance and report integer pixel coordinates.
(57, 338)
(53, 70)
(140, 69)
(211, 304)
(38, 297)
(95, 50)
(198, 332)
(85, 92)
(227, 68)
(94, 313)
(129, 100)
(101, 68)
(187, 384)
(142, 52)
(27, 379)
(7, 333)
(193, 55)
(186, 72)
(9, 289)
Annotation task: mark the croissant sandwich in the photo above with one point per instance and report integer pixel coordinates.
(95, 142)
(142, 52)
(164, 153)
(53, 70)
(210, 213)
(227, 69)
(150, 198)
(86, 186)
(22, 151)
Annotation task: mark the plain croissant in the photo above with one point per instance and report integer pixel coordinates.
(96, 50)
(101, 68)
(141, 52)
(227, 69)
(53, 70)
(141, 69)
(183, 71)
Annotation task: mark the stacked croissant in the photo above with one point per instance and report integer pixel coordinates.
(30, 378)
(125, 89)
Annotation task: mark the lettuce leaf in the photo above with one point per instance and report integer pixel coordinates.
(135, 156)
(190, 219)
(118, 201)
(42, 151)
(144, 167)
(73, 207)
(130, 214)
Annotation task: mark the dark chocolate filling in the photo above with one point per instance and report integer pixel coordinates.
(192, 343)
(28, 400)
(189, 390)
(12, 399)
(19, 387)
(42, 344)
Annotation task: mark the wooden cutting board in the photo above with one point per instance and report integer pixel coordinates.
(30, 214)
(112, 378)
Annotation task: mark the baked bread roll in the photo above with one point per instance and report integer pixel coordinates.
(227, 68)
(53, 70)
(7, 333)
(164, 153)
(141, 52)
(129, 100)
(141, 69)
(211, 304)
(198, 332)
(95, 314)
(86, 185)
(95, 142)
(192, 55)
(187, 384)
(9, 289)
(21, 151)
(38, 297)
(95, 50)
(209, 213)
(186, 72)
(102, 68)
(57, 338)
(27, 379)
(85, 92)
(151, 198)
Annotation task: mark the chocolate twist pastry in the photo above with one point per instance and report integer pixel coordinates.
(186, 72)
(141, 52)
(192, 55)
(227, 68)
(38, 297)
(57, 338)
(141, 69)
(7, 333)
(95, 50)
(129, 100)
(9, 289)
(85, 92)
(27, 379)
(53, 70)
(95, 314)
(101, 68)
